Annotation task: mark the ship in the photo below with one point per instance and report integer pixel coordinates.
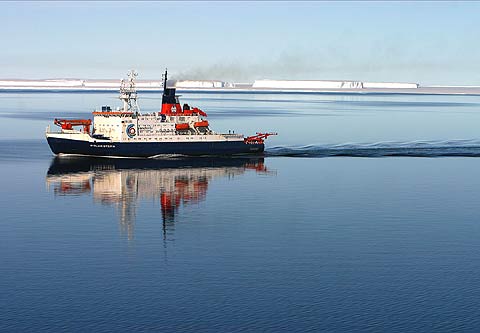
(126, 132)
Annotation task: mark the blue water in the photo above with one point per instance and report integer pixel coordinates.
(362, 216)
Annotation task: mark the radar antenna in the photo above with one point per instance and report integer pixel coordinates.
(128, 93)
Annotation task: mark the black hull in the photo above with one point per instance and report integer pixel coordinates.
(149, 149)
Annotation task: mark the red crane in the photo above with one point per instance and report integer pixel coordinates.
(258, 139)
(67, 124)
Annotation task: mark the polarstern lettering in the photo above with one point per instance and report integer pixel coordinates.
(101, 146)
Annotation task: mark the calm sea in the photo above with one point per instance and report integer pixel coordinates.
(364, 215)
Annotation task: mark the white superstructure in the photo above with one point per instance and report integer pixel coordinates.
(172, 123)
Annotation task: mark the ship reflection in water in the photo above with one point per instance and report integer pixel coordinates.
(175, 183)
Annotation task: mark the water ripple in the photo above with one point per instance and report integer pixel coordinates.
(467, 148)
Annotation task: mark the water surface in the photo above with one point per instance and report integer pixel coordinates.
(378, 230)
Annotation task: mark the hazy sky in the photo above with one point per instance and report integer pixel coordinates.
(426, 42)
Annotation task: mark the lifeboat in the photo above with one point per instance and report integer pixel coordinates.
(182, 127)
(202, 123)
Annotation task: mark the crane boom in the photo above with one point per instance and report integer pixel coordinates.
(259, 138)
(67, 124)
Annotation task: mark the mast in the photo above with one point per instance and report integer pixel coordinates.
(128, 93)
(165, 80)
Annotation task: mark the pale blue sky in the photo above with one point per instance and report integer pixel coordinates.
(426, 42)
